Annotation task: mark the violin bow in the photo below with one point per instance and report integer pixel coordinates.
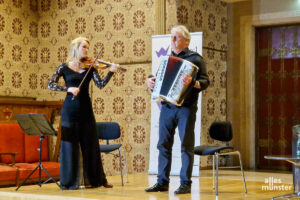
(86, 74)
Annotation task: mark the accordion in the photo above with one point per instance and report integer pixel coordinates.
(168, 84)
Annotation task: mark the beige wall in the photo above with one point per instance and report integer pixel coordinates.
(274, 6)
(18, 49)
(42, 30)
(121, 31)
(243, 17)
(210, 17)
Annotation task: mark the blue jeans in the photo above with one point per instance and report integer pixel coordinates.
(184, 118)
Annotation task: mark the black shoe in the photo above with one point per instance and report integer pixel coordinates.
(157, 188)
(183, 189)
(69, 188)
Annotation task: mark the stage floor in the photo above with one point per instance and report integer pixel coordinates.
(259, 185)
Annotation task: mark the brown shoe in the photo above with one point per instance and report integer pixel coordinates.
(108, 185)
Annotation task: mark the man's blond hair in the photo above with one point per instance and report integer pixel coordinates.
(183, 30)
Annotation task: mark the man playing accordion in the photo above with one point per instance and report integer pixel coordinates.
(183, 117)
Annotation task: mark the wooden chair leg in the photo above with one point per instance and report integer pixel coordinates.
(17, 177)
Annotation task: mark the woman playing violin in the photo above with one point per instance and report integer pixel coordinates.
(78, 126)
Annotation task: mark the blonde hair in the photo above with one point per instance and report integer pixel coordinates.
(183, 30)
(74, 46)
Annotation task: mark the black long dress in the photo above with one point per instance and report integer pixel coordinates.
(79, 127)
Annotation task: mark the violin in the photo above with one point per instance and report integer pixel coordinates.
(97, 63)
(90, 62)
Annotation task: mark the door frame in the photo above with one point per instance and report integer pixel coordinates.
(247, 116)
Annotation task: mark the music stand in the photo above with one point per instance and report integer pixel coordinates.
(36, 125)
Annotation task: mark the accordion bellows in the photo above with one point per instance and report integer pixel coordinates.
(168, 84)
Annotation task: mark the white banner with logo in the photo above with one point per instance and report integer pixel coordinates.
(161, 46)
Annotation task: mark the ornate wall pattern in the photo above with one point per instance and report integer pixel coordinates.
(18, 48)
(35, 37)
(120, 31)
(126, 100)
(209, 17)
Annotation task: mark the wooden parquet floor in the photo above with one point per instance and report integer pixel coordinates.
(230, 188)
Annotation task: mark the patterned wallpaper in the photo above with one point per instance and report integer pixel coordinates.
(19, 48)
(209, 17)
(121, 31)
(35, 37)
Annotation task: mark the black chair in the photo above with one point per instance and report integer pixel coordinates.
(221, 131)
(110, 131)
